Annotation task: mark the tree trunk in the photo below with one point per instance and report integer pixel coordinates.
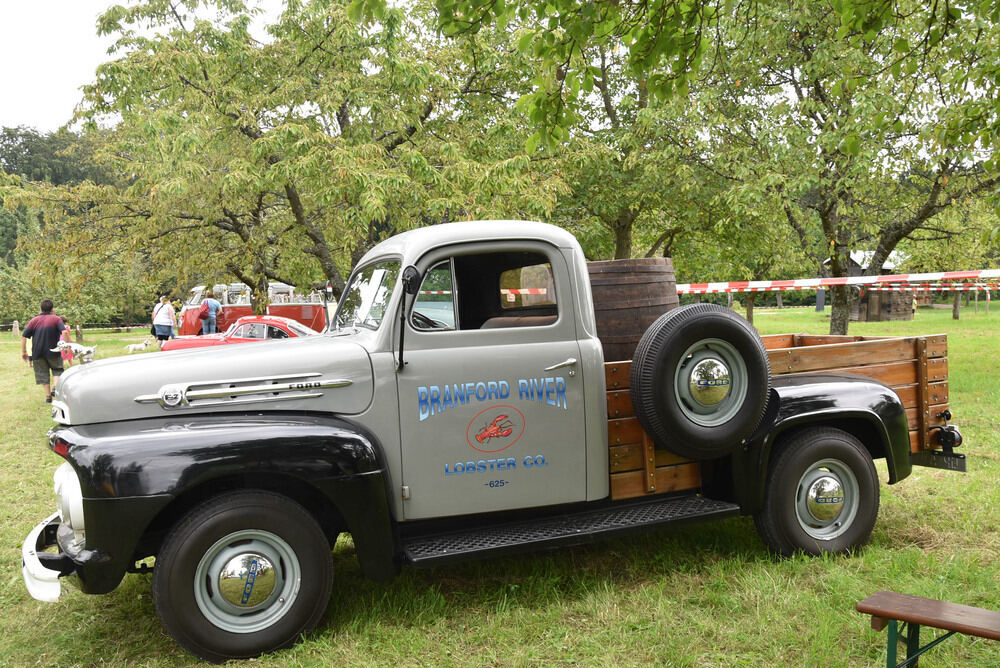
(258, 284)
(258, 296)
(956, 305)
(320, 248)
(623, 241)
(840, 314)
(750, 300)
(777, 296)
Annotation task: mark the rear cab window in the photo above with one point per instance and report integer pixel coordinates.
(487, 290)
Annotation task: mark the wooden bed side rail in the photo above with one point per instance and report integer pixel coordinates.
(916, 368)
(772, 341)
(637, 467)
(836, 356)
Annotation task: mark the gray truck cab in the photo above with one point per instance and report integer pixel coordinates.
(500, 393)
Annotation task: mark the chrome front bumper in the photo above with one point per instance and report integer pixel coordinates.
(41, 570)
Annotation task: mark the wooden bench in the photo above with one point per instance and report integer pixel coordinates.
(887, 608)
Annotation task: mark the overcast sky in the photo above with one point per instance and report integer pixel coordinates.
(49, 49)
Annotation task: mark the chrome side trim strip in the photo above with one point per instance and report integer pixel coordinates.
(216, 392)
(271, 388)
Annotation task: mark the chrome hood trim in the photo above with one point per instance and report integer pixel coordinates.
(317, 373)
(239, 391)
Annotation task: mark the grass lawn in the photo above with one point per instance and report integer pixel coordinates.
(704, 595)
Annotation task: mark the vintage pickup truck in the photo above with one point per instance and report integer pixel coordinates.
(462, 408)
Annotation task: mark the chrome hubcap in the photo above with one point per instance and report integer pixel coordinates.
(827, 499)
(710, 382)
(247, 580)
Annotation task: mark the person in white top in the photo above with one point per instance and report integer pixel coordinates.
(164, 320)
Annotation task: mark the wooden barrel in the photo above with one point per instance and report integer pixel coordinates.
(628, 296)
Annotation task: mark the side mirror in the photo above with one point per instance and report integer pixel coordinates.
(411, 286)
(411, 280)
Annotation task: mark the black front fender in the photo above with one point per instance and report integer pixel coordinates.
(130, 472)
(867, 409)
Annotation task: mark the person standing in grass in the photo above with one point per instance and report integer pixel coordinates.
(214, 306)
(45, 330)
(67, 353)
(164, 319)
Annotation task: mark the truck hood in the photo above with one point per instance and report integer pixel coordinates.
(319, 373)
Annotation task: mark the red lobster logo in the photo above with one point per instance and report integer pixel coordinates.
(501, 427)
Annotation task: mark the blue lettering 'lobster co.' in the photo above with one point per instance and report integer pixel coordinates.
(493, 465)
(436, 399)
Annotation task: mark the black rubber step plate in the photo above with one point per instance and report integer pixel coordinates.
(583, 527)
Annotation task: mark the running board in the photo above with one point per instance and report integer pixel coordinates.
(563, 530)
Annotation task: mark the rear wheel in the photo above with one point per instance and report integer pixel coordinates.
(242, 574)
(822, 494)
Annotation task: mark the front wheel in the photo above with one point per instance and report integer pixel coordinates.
(822, 495)
(243, 574)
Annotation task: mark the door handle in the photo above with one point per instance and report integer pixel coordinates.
(570, 362)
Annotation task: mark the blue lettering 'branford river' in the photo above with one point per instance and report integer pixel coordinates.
(436, 399)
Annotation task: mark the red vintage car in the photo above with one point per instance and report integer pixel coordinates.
(247, 329)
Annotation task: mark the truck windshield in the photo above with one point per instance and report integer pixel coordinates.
(366, 299)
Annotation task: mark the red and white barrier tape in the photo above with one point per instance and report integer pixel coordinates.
(946, 287)
(813, 283)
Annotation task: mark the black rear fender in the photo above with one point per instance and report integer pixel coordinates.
(868, 410)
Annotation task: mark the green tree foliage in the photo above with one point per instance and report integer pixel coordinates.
(614, 186)
(664, 42)
(815, 132)
(61, 157)
(742, 138)
(33, 268)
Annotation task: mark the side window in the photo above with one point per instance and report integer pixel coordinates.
(275, 333)
(527, 286)
(251, 330)
(505, 289)
(434, 307)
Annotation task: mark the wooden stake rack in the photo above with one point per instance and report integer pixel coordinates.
(916, 368)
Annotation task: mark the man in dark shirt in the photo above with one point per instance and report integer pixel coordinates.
(44, 329)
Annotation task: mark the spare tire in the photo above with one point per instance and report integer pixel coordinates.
(700, 381)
